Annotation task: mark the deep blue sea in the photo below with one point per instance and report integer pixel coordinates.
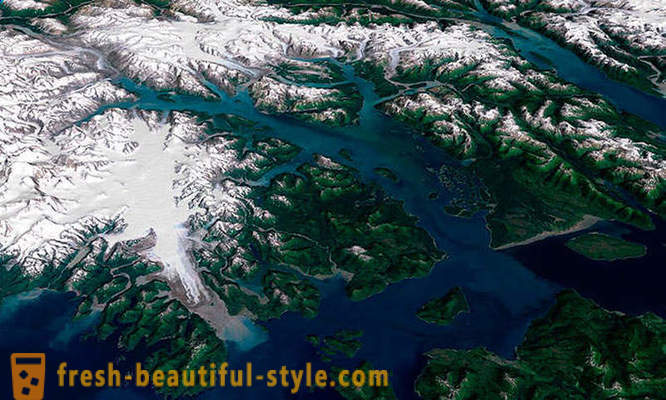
(505, 289)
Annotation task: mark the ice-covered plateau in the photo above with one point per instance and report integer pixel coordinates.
(44, 90)
(146, 171)
(61, 175)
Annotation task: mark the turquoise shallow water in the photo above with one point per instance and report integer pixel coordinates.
(504, 295)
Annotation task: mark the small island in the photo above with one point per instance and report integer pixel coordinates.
(386, 173)
(443, 310)
(602, 247)
(345, 343)
(346, 154)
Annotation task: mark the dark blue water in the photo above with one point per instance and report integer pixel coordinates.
(504, 295)
(634, 286)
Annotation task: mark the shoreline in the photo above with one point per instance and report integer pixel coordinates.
(587, 222)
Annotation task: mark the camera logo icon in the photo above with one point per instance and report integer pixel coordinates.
(28, 373)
